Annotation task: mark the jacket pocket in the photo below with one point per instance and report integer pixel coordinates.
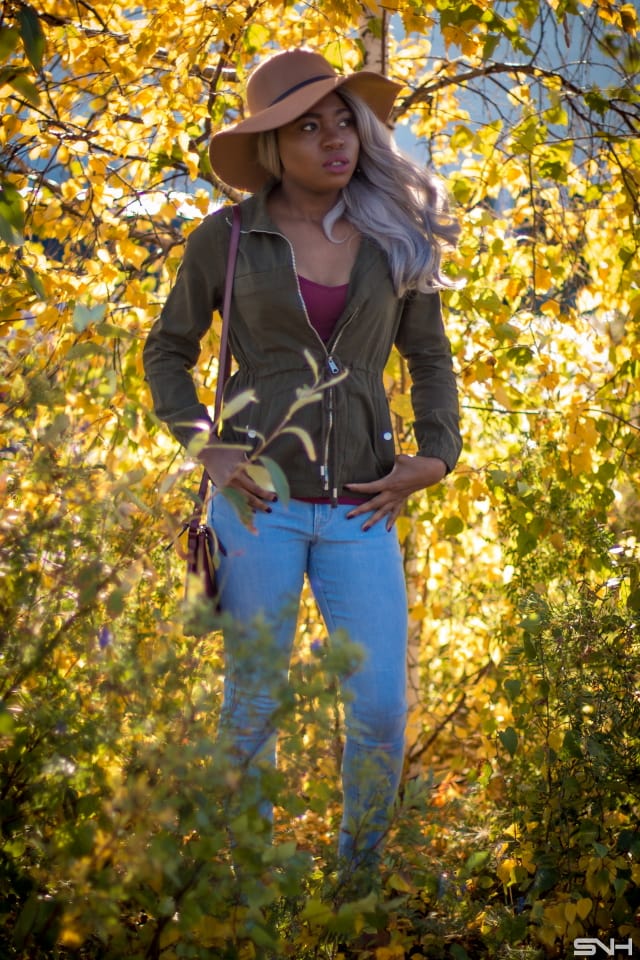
(260, 421)
(367, 444)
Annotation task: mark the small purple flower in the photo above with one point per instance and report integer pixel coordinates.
(104, 637)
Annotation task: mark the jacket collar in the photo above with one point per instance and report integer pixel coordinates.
(255, 217)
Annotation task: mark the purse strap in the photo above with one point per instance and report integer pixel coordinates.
(224, 358)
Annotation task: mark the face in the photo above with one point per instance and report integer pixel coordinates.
(319, 150)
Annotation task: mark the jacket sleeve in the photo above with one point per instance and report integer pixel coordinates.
(172, 348)
(422, 341)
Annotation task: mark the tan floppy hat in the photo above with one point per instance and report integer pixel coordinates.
(280, 89)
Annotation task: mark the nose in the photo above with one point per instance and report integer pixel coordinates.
(333, 137)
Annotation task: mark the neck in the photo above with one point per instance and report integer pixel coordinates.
(300, 205)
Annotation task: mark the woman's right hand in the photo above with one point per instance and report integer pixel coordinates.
(226, 465)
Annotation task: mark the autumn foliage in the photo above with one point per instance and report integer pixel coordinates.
(517, 828)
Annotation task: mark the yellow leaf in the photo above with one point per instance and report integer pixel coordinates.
(238, 403)
(505, 870)
(570, 912)
(584, 907)
(404, 527)
(401, 404)
(260, 475)
(71, 937)
(397, 882)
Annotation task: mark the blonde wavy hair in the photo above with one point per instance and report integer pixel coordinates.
(390, 199)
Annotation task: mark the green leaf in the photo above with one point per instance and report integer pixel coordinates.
(25, 87)
(477, 861)
(111, 330)
(571, 744)
(462, 188)
(260, 475)
(238, 403)
(8, 233)
(513, 688)
(458, 952)
(529, 647)
(35, 282)
(491, 42)
(239, 503)
(32, 35)
(9, 37)
(316, 911)
(509, 740)
(595, 100)
(313, 363)
(461, 13)
(84, 316)
(304, 397)
(115, 602)
(498, 478)
(87, 349)
(11, 206)
(527, 11)
(278, 479)
(633, 600)
(6, 721)
(305, 438)
(453, 526)
(255, 37)
(461, 137)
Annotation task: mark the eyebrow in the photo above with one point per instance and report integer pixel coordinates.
(311, 113)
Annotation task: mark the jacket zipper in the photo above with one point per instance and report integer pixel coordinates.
(334, 368)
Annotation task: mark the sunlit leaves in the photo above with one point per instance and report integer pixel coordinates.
(519, 614)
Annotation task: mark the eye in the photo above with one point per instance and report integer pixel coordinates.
(309, 126)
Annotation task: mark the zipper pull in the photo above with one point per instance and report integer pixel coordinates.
(333, 365)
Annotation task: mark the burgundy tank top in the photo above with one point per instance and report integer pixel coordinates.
(324, 305)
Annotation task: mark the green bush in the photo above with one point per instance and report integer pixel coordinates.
(570, 757)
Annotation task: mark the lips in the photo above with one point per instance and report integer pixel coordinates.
(339, 162)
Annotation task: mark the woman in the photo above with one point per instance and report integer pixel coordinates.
(339, 258)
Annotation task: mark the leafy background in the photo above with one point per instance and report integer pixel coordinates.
(517, 829)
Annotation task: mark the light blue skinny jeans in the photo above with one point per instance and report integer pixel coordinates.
(357, 579)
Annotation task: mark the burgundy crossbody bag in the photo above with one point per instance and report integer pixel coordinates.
(203, 546)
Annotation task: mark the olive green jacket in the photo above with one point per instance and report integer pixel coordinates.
(269, 334)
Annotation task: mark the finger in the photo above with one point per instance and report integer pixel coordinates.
(243, 482)
(389, 513)
(258, 504)
(372, 486)
(375, 517)
(375, 503)
(391, 519)
(359, 510)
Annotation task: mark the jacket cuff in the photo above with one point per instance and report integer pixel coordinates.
(190, 423)
(445, 444)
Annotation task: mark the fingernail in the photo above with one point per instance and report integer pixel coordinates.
(269, 510)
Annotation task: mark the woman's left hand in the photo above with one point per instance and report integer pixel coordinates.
(388, 495)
